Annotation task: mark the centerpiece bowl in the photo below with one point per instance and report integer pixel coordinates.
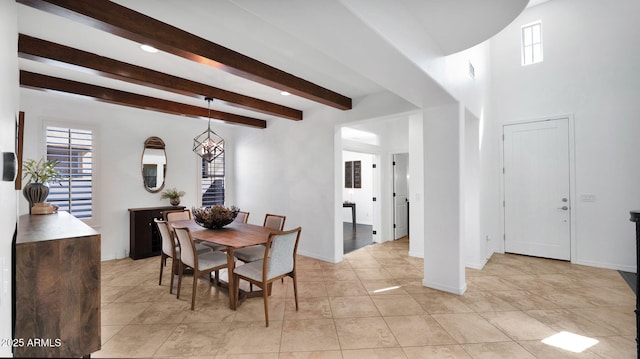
(214, 217)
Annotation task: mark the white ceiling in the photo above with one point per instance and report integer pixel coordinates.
(314, 40)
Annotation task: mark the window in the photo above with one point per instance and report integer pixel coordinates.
(73, 149)
(532, 43)
(213, 181)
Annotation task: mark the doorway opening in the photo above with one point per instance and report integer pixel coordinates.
(400, 195)
(357, 196)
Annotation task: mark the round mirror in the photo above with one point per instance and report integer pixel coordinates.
(154, 164)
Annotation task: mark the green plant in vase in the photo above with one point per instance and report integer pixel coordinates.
(38, 174)
(173, 195)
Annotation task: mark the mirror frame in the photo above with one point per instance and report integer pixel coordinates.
(154, 143)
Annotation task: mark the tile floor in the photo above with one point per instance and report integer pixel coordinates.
(372, 305)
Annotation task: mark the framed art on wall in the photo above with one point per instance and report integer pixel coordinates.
(353, 174)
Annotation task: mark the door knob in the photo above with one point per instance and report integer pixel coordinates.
(564, 208)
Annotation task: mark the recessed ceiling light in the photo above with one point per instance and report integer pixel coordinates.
(149, 48)
(285, 93)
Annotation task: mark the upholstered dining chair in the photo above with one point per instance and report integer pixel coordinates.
(279, 261)
(184, 214)
(171, 250)
(204, 263)
(242, 217)
(254, 253)
(176, 215)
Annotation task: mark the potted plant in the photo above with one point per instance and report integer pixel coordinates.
(173, 194)
(38, 174)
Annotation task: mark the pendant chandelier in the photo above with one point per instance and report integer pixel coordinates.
(208, 144)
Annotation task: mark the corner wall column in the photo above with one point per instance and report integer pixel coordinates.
(444, 199)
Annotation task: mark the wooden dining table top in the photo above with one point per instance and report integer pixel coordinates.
(234, 235)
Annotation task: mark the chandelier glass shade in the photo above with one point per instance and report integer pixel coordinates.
(208, 144)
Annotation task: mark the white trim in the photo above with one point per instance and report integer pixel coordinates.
(322, 258)
(572, 178)
(613, 266)
(445, 288)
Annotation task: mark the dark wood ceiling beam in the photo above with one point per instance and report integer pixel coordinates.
(45, 51)
(44, 82)
(121, 21)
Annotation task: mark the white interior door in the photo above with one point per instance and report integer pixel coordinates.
(401, 195)
(536, 189)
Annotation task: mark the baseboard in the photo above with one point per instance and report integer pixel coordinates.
(416, 254)
(315, 256)
(613, 266)
(445, 288)
(481, 265)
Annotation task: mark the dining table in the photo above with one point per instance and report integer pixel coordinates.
(233, 236)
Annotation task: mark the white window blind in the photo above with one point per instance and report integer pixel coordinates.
(73, 149)
(213, 182)
(532, 43)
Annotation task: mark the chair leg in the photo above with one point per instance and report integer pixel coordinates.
(173, 266)
(216, 277)
(295, 288)
(236, 280)
(195, 284)
(180, 266)
(161, 266)
(265, 295)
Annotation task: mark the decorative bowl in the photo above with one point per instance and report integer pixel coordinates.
(214, 217)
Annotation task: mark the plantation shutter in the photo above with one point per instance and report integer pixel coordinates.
(213, 182)
(73, 149)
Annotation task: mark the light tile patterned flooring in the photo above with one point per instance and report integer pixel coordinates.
(372, 305)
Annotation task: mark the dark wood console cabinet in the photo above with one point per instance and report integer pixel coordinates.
(144, 239)
(56, 275)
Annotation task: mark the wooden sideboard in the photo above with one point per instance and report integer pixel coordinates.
(144, 239)
(57, 287)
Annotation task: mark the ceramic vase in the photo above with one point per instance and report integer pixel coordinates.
(35, 193)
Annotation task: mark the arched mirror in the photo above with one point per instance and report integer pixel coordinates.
(154, 164)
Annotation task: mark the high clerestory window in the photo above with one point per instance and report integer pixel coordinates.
(532, 43)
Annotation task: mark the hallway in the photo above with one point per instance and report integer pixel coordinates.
(358, 238)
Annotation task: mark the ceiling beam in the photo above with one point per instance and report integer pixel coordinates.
(121, 21)
(44, 82)
(45, 51)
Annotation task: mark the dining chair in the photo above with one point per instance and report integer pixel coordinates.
(171, 250)
(176, 215)
(184, 214)
(279, 261)
(242, 217)
(254, 253)
(204, 263)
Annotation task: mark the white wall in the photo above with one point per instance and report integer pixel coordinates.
(120, 135)
(9, 107)
(452, 72)
(591, 54)
(288, 169)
